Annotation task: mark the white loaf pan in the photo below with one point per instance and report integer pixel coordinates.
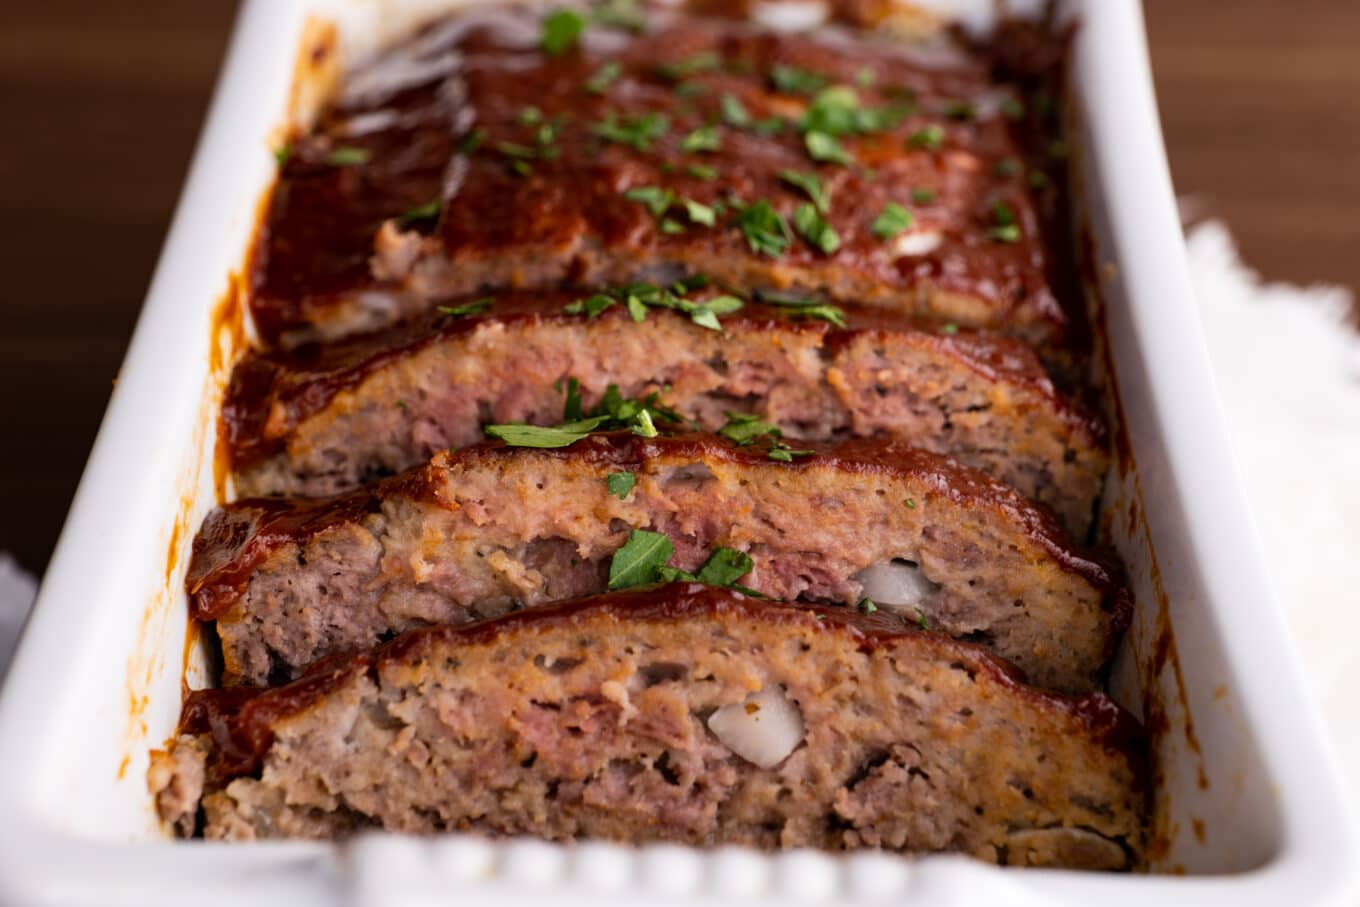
(1247, 807)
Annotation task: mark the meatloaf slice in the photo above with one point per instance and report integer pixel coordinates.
(491, 528)
(685, 713)
(469, 158)
(322, 420)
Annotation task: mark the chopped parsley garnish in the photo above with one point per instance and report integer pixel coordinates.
(637, 562)
(472, 141)
(1004, 227)
(765, 229)
(804, 306)
(959, 110)
(530, 116)
(467, 308)
(615, 412)
(734, 112)
(602, 77)
(620, 484)
(283, 154)
(559, 31)
(837, 111)
(349, 156)
(638, 132)
(745, 429)
(810, 184)
(1038, 179)
(911, 503)
(624, 14)
(824, 147)
(813, 227)
(867, 605)
(705, 62)
(702, 171)
(864, 77)
(427, 211)
(723, 568)
(894, 219)
(1013, 109)
(643, 560)
(792, 80)
(921, 620)
(656, 199)
(640, 297)
(931, 137)
(768, 126)
(513, 149)
(659, 200)
(923, 195)
(690, 89)
(699, 213)
(1007, 166)
(705, 138)
(949, 328)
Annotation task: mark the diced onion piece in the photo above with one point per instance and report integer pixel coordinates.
(895, 585)
(917, 242)
(789, 15)
(763, 728)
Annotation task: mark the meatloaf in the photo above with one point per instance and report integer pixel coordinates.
(685, 713)
(324, 419)
(491, 528)
(495, 150)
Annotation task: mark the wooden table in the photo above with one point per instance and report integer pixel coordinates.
(1261, 102)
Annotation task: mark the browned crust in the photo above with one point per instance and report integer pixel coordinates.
(240, 720)
(236, 538)
(273, 392)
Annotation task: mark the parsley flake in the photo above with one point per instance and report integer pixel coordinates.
(1004, 228)
(765, 229)
(931, 137)
(867, 605)
(702, 172)
(620, 484)
(468, 308)
(282, 155)
(792, 80)
(637, 562)
(804, 306)
(824, 147)
(923, 195)
(705, 138)
(601, 79)
(811, 185)
(427, 211)
(656, 199)
(894, 219)
(349, 156)
(734, 112)
(813, 227)
(921, 619)
(638, 132)
(704, 62)
(560, 30)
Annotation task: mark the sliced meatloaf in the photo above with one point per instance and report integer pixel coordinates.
(482, 153)
(321, 420)
(491, 528)
(685, 713)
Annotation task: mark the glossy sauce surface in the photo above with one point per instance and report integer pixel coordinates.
(547, 172)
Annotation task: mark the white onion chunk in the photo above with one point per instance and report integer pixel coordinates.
(895, 585)
(763, 728)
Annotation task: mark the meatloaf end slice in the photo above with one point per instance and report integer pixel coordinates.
(682, 713)
(492, 528)
(471, 160)
(322, 420)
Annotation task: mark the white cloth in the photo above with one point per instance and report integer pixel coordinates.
(1294, 417)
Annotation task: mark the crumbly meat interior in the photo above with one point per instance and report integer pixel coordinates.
(509, 528)
(983, 400)
(598, 727)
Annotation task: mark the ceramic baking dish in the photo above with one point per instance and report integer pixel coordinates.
(1246, 805)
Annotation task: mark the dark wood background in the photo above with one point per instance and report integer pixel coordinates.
(102, 103)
